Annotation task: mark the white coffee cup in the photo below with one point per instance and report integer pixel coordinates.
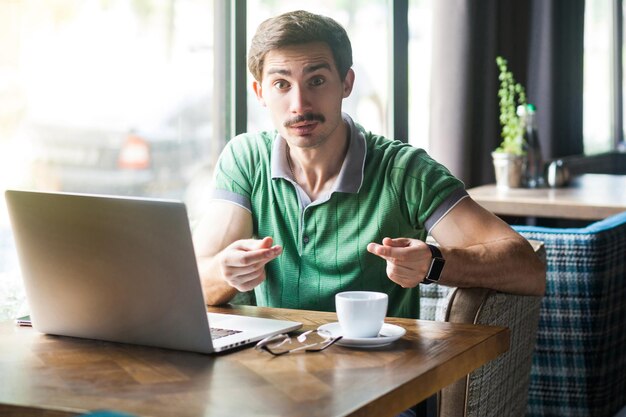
(361, 314)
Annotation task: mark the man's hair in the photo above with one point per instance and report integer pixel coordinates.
(298, 27)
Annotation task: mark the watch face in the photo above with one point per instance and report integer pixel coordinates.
(436, 266)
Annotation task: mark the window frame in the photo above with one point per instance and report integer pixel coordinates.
(617, 101)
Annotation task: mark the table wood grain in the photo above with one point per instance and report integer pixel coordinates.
(588, 197)
(55, 376)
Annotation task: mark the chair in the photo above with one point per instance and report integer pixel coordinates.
(500, 387)
(579, 364)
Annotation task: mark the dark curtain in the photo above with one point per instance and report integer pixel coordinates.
(555, 75)
(543, 43)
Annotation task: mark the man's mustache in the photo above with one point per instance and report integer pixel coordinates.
(306, 117)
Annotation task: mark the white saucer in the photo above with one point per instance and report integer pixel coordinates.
(389, 333)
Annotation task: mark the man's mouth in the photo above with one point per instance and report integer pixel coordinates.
(304, 122)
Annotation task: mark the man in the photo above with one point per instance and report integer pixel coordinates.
(323, 206)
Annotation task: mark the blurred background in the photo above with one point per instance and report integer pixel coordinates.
(138, 97)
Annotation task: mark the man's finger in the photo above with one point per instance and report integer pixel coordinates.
(388, 253)
(249, 282)
(266, 242)
(243, 270)
(253, 244)
(376, 249)
(262, 256)
(401, 242)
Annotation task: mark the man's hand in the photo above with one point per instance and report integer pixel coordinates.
(408, 260)
(242, 263)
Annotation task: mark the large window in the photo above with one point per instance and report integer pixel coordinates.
(597, 77)
(112, 97)
(107, 97)
(420, 43)
(604, 89)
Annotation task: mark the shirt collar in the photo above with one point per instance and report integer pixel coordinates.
(350, 177)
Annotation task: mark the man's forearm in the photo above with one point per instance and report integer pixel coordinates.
(508, 265)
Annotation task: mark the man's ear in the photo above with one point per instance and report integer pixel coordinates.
(348, 83)
(258, 91)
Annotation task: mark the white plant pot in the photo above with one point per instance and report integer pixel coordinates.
(509, 169)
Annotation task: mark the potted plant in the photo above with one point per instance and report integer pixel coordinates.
(508, 158)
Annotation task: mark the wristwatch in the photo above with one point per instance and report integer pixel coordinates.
(436, 265)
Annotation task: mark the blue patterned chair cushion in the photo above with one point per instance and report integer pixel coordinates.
(579, 362)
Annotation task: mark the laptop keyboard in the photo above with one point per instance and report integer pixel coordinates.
(216, 332)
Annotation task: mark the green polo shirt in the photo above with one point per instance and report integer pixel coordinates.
(384, 189)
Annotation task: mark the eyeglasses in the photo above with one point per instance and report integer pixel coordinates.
(310, 341)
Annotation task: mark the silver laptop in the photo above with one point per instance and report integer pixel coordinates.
(122, 270)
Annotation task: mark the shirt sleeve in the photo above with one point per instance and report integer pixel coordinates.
(426, 188)
(232, 179)
(444, 208)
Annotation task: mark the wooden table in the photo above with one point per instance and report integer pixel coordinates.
(49, 376)
(588, 197)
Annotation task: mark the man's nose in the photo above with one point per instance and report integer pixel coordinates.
(300, 99)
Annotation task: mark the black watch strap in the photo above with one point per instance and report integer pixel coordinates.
(436, 265)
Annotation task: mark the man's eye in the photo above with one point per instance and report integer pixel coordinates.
(281, 85)
(317, 81)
